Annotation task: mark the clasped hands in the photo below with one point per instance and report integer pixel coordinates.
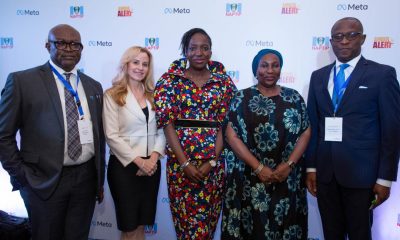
(197, 174)
(269, 176)
(147, 167)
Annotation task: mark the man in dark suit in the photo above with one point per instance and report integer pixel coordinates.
(59, 166)
(354, 109)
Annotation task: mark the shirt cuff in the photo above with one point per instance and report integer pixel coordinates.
(311, 170)
(383, 182)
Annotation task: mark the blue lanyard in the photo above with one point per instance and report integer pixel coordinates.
(339, 90)
(69, 88)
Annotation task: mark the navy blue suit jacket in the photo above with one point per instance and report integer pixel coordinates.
(370, 109)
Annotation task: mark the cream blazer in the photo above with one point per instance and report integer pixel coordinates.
(127, 133)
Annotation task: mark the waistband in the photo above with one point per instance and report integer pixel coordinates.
(189, 123)
(88, 163)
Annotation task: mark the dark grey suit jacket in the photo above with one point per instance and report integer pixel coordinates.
(30, 103)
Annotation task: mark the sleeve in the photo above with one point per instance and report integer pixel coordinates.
(118, 146)
(389, 115)
(10, 123)
(305, 121)
(235, 116)
(229, 89)
(165, 101)
(160, 142)
(313, 118)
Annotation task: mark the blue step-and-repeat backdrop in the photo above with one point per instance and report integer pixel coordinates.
(300, 29)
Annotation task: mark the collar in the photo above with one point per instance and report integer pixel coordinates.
(353, 62)
(62, 71)
(179, 66)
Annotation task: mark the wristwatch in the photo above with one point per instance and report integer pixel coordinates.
(213, 163)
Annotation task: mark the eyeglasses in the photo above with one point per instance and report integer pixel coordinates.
(61, 45)
(349, 36)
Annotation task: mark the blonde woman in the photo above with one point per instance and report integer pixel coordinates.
(135, 143)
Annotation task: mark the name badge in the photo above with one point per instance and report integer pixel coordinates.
(333, 129)
(85, 131)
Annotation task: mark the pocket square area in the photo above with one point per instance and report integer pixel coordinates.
(362, 87)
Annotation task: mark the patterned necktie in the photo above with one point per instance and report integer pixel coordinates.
(74, 145)
(340, 80)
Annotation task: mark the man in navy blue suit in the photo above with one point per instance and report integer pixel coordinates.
(353, 155)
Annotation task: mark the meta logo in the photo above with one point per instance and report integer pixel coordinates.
(101, 224)
(76, 11)
(320, 43)
(124, 11)
(350, 7)
(27, 12)
(288, 78)
(176, 10)
(233, 9)
(382, 42)
(234, 75)
(100, 44)
(6, 42)
(165, 200)
(150, 229)
(290, 8)
(152, 43)
(259, 43)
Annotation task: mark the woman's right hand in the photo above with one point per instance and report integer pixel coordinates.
(193, 173)
(265, 175)
(145, 165)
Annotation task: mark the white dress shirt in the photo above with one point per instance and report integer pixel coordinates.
(88, 148)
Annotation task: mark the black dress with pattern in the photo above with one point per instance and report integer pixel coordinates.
(270, 127)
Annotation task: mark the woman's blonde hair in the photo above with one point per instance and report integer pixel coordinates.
(119, 88)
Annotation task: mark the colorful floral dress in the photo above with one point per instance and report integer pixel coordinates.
(270, 127)
(195, 207)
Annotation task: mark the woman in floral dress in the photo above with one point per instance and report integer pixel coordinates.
(267, 133)
(192, 99)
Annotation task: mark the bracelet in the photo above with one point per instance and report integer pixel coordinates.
(258, 169)
(291, 164)
(185, 164)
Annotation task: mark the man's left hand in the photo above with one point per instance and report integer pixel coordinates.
(381, 194)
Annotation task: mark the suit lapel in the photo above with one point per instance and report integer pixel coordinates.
(51, 86)
(355, 78)
(325, 80)
(133, 106)
(92, 99)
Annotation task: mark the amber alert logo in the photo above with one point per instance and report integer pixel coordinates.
(290, 8)
(287, 78)
(382, 42)
(398, 220)
(124, 11)
(233, 9)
